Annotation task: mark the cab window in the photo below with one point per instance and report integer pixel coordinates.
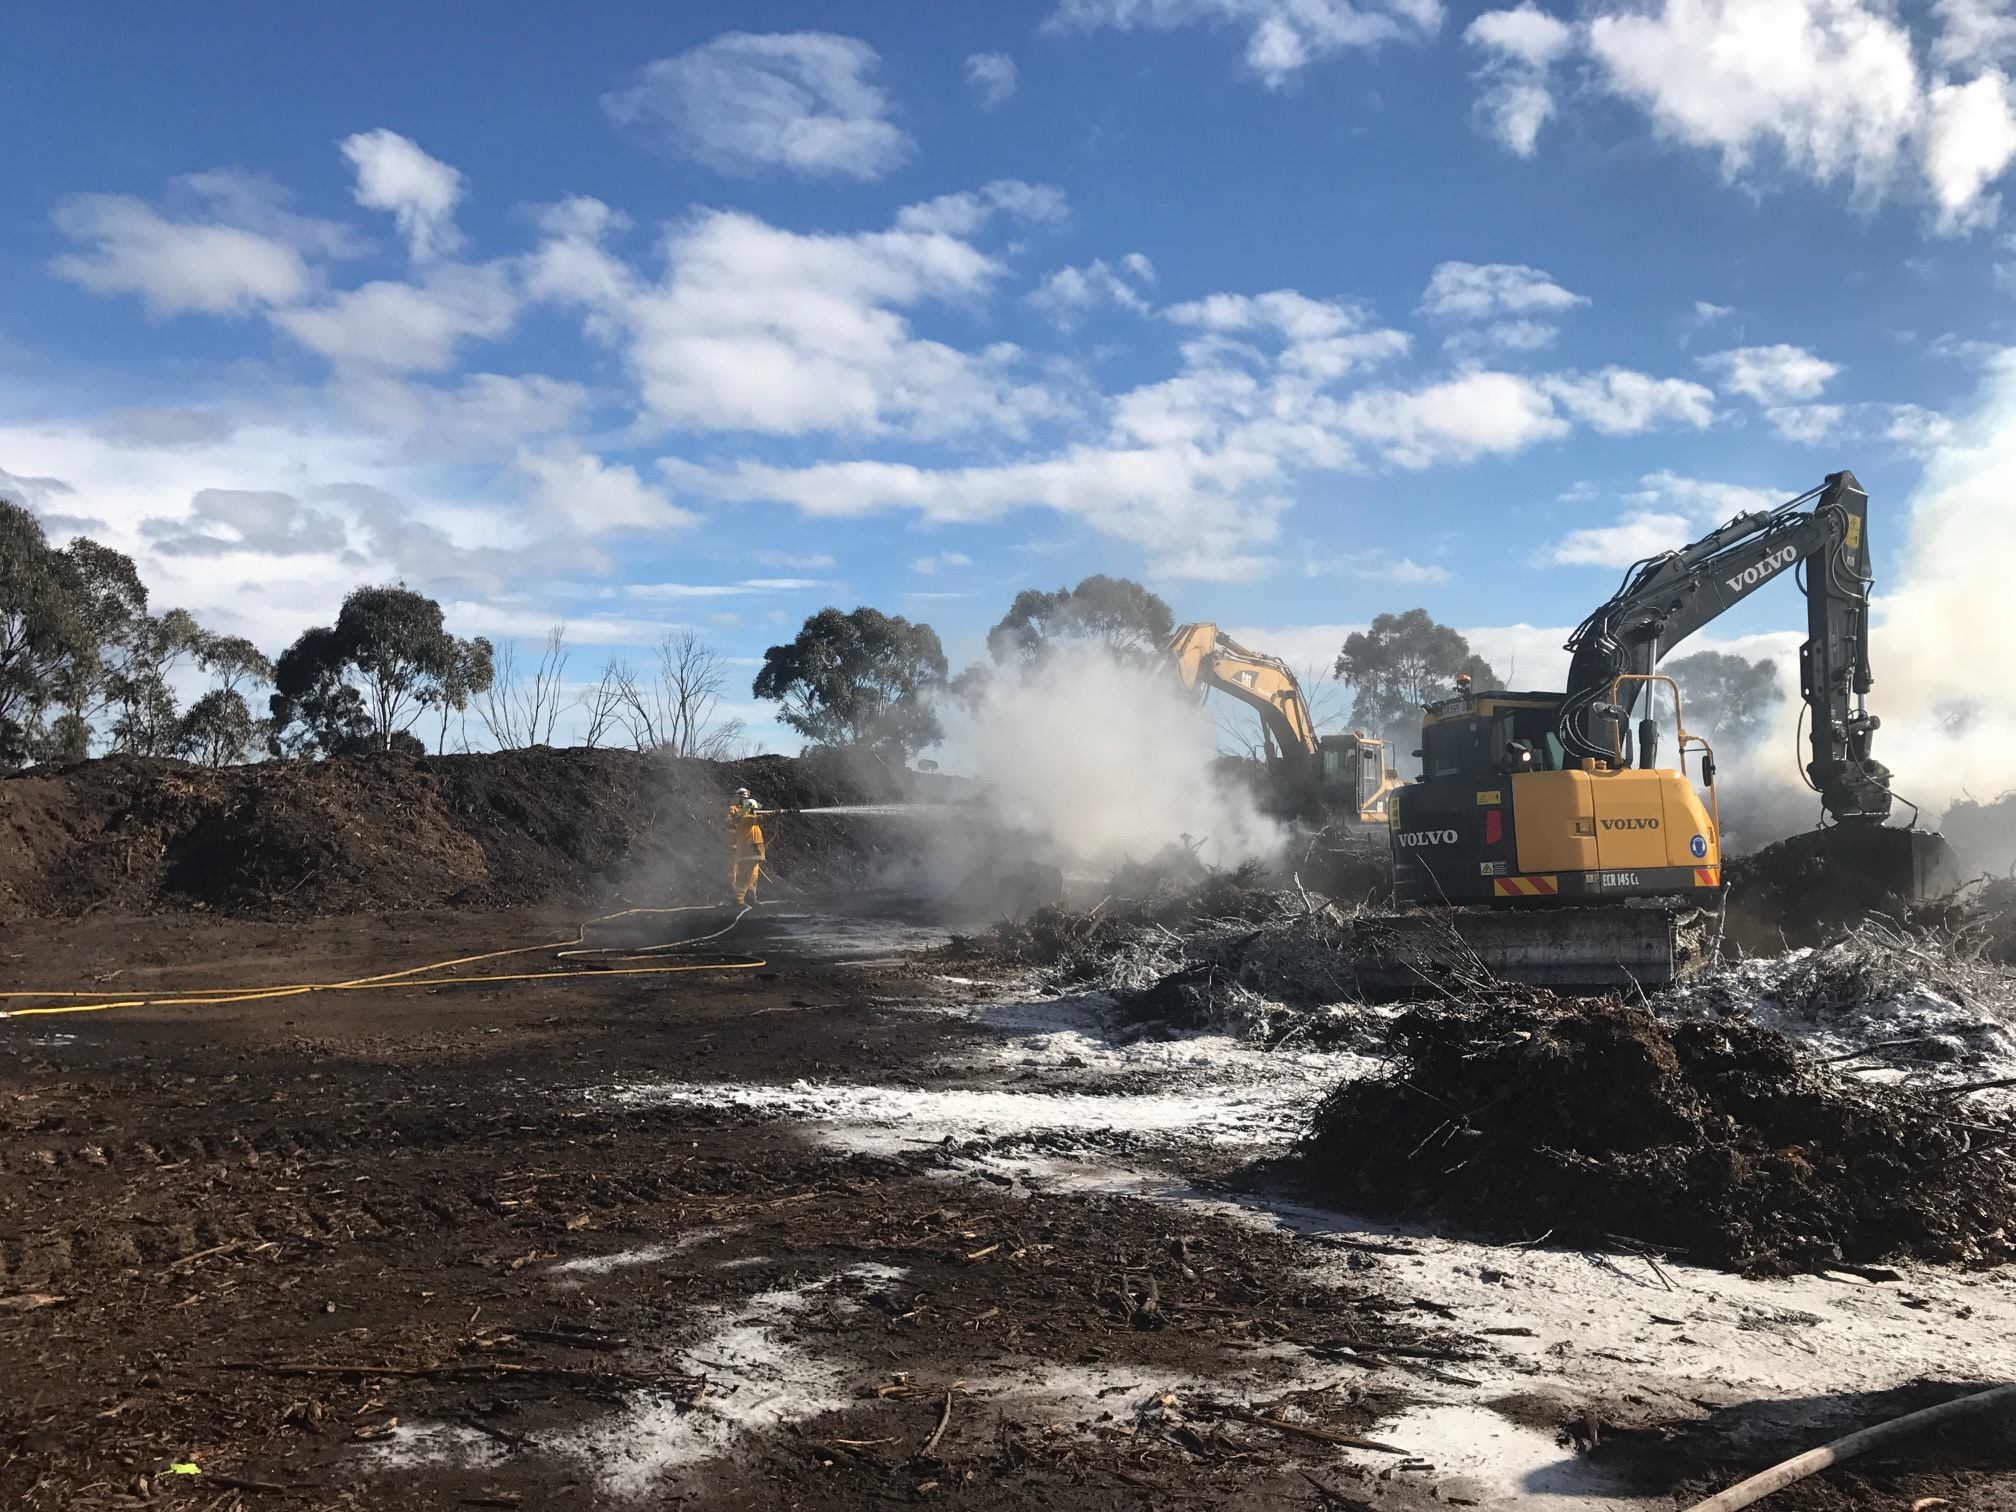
(1455, 748)
(1538, 728)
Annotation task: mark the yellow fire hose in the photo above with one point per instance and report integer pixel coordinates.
(406, 976)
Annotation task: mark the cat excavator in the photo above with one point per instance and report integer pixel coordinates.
(1343, 778)
(1561, 848)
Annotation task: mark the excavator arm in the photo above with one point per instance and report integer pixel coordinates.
(1310, 773)
(1205, 658)
(1667, 598)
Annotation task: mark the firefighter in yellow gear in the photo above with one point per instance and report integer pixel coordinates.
(745, 868)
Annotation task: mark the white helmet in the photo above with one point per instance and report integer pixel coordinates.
(741, 792)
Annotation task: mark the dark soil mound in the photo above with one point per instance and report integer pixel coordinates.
(388, 832)
(1715, 1140)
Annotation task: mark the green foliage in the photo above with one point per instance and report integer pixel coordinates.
(1116, 613)
(1726, 698)
(315, 712)
(75, 640)
(234, 662)
(360, 684)
(218, 729)
(1402, 662)
(42, 636)
(864, 678)
(144, 718)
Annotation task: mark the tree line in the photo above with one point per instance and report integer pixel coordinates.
(87, 667)
(869, 679)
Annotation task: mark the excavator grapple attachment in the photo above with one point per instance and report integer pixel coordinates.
(1569, 949)
(1848, 870)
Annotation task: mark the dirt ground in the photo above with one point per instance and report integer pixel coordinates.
(414, 1248)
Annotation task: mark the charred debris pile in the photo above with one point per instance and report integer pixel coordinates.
(1715, 1141)
(1685, 1124)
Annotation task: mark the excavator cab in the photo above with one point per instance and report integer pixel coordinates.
(1353, 777)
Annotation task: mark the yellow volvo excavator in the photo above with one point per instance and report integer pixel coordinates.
(1549, 813)
(1310, 775)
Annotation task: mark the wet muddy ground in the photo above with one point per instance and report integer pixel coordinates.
(859, 1226)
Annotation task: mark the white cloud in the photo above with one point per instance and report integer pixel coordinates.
(1481, 291)
(761, 329)
(594, 496)
(1831, 85)
(1520, 47)
(1525, 34)
(405, 326)
(991, 76)
(944, 561)
(1282, 36)
(805, 561)
(1969, 138)
(1483, 412)
(1706, 314)
(743, 103)
(571, 265)
(1618, 401)
(1324, 338)
(1828, 90)
(1457, 419)
(1703, 500)
(1631, 539)
(1376, 566)
(1809, 424)
(743, 589)
(1068, 294)
(174, 266)
(226, 246)
(968, 212)
(479, 415)
(1502, 336)
(419, 191)
(1918, 430)
(1188, 507)
(1667, 511)
(261, 528)
(1771, 375)
(1973, 31)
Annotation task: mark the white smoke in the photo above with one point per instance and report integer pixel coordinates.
(1943, 591)
(1946, 697)
(1106, 763)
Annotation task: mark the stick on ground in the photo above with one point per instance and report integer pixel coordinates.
(1779, 1476)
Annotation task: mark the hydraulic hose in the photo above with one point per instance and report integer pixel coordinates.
(413, 976)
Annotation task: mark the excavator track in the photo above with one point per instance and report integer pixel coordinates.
(1593, 949)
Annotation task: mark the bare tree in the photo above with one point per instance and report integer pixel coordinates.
(520, 709)
(674, 710)
(603, 703)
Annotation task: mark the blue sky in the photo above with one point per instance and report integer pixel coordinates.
(636, 315)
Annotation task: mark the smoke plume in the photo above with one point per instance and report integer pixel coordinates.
(1106, 763)
(1943, 574)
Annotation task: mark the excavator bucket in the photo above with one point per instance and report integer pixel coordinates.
(1571, 949)
(1829, 877)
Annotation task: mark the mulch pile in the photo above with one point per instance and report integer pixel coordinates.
(1716, 1141)
(388, 832)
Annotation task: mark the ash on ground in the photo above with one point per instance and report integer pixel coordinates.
(1932, 1005)
(1719, 1141)
(1226, 951)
